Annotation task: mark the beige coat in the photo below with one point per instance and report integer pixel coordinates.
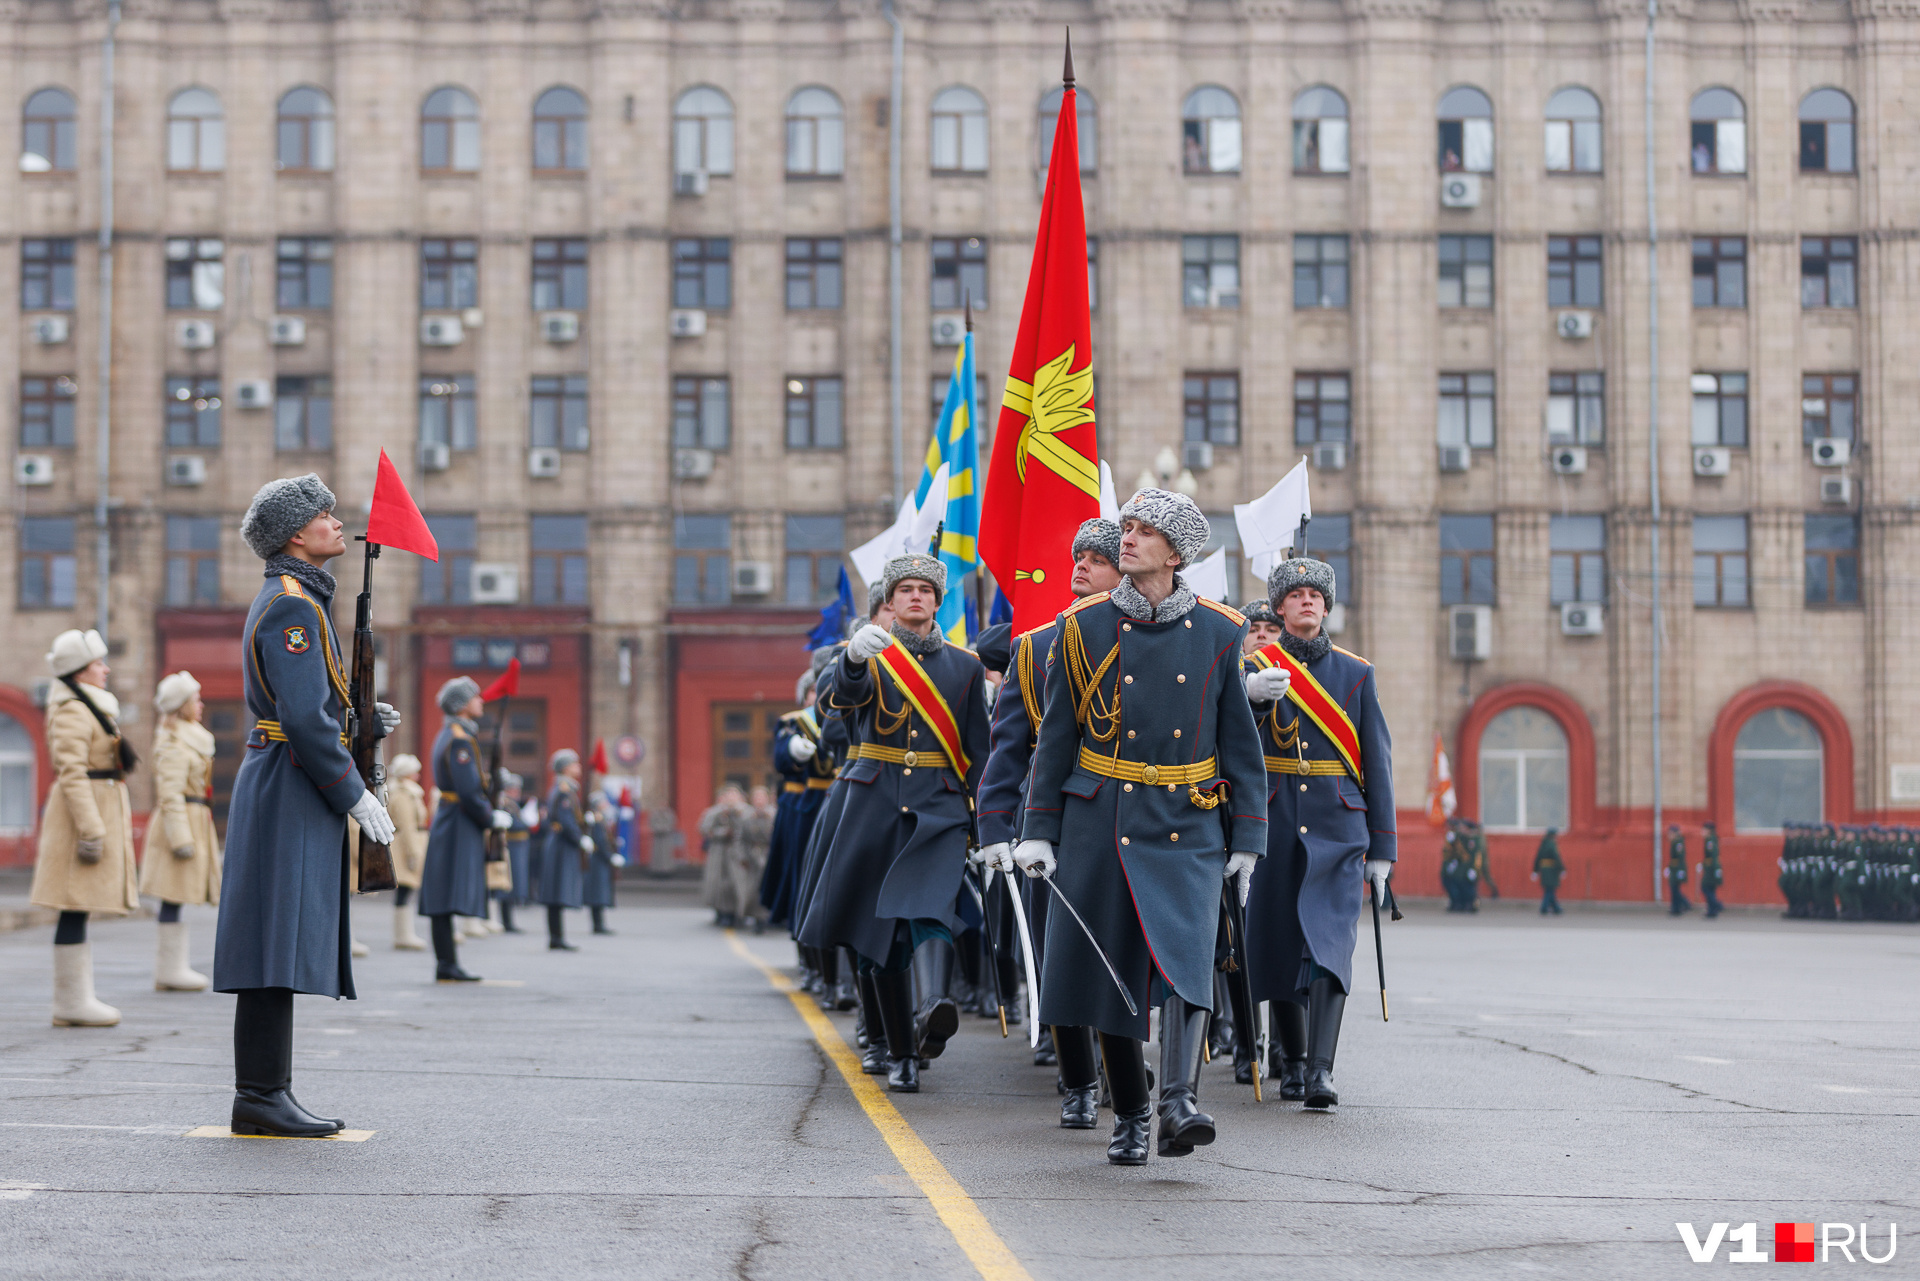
(182, 767)
(407, 803)
(81, 808)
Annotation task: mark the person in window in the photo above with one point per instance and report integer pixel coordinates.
(1710, 874)
(407, 803)
(1548, 868)
(1677, 871)
(181, 863)
(454, 880)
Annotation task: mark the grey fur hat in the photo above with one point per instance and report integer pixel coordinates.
(803, 687)
(876, 597)
(1258, 611)
(456, 694)
(282, 509)
(819, 659)
(561, 759)
(1177, 517)
(1301, 571)
(927, 569)
(509, 779)
(1098, 535)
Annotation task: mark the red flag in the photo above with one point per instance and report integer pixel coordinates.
(508, 686)
(1440, 795)
(1045, 476)
(393, 520)
(598, 761)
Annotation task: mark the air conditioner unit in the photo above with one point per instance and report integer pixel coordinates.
(692, 464)
(690, 184)
(1574, 324)
(253, 393)
(949, 329)
(495, 584)
(686, 322)
(33, 469)
(289, 331)
(1460, 191)
(1197, 455)
(1330, 455)
(752, 578)
(1715, 460)
(1470, 633)
(1455, 458)
(186, 469)
(196, 335)
(543, 463)
(1569, 460)
(560, 326)
(1336, 619)
(1582, 618)
(435, 457)
(50, 330)
(441, 331)
(1831, 451)
(1834, 489)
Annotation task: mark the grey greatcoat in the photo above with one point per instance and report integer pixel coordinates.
(1017, 711)
(560, 877)
(597, 888)
(455, 878)
(1142, 861)
(836, 736)
(283, 891)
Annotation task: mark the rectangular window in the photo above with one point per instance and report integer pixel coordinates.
(559, 560)
(1719, 561)
(813, 413)
(303, 414)
(1210, 270)
(1826, 146)
(1720, 271)
(703, 273)
(303, 270)
(702, 417)
(193, 413)
(560, 275)
(46, 275)
(1466, 560)
(1573, 271)
(1320, 146)
(1320, 272)
(814, 273)
(559, 413)
(1466, 271)
(1577, 570)
(1720, 410)
(193, 561)
(449, 275)
(1466, 410)
(702, 560)
(814, 545)
(46, 412)
(1577, 409)
(1322, 408)
(1827, 271)
(1833, 560)
(1093, 273)
(1829, 406)
(1212, 407)
(1719, 146)
(1329, 537)
(196, 274)
(447, 415)
(959, 272)
(450, 581)
(48, 567)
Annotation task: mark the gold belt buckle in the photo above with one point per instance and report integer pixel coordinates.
(911, 758)
(1150, 775)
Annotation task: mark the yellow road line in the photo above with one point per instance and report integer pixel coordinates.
(983, 1246)
(222, 1132)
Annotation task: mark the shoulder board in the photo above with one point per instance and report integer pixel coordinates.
(787, 718)
(1034, 630)
(1226, 610)
(1350, 654)
(1086, 602)
(457, 732)
(962, 648)
(290, 586)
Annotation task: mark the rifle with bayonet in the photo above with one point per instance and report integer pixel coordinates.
(363, 732)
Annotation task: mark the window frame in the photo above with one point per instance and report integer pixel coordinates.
(57, 140)
(1723, 398)
(969, 127)
(1315, 405)
(1584, 568)
(315, 134)
(1819, 134)
(1831, 392)
(696, 560)
(449, 274)
(1465, 387)
(559, 574)
(297, 396)
(703, 132)
(1471, 585)
(194, 263)
(702, 273)
(806, 132)
(1827, 258)
(1705, 131)
(1715, 561)
(1719, 253)
(822, 586)
(1457, 141)
(56, 392)
(1586, 405)
(47, 279)
(1735, 753)
(691, 393)
(459, 428)
(201, 138)
(554, 264)
(1463, 265)
(1576, 129)
(452, 129)
(1198, 406)
(192, 418)
(60, 573)
(451, 577)
(1198, 140)
(303, 275)
(810, 267)
(1586, 289)
(1313, 139)
(557, 413)
(562, 131)
(809, 395)
(959, 274)
(1840, 581)
(1522, 759)
(193, 559)
(1201, 268)
(1320, 265)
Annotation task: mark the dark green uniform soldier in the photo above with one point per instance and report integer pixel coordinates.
(1710, 874)
(1482, 871)
(1677, 871)
(1548, 867)
(1825, 873)
(1454, 869)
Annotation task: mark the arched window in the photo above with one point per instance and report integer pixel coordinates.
(816, 134)
(47, 132)
(1777, 771)
(1210, 131)
(703, 132)
(959, 131)
(1320, 131)
(17, 762)
(196, 132)
(1573, 131)
(1086, 123)
(560, 130)
(304, 137)
(449, 132)
(1466, 131)
(1719, 132)
(1826, 132)
(1523, 771)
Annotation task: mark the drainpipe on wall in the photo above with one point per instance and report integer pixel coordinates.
(896, 387)
(103, 430)
(1653, 440)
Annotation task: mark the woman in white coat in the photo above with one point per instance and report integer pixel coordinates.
(181, 863)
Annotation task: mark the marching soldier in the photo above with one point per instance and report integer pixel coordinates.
(407, 803)
(454, 882)
(565, 850)
(181, 863)
(1330, 826)
(1548, 867)
(1710, 873)
(806, 773)
(1482, 861)
(1454, 869)
(1147, 778)
(1677, 870)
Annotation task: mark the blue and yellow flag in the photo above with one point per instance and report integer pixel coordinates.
(956, 445)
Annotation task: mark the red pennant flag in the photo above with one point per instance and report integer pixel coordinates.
(598, 761)
(393, 520)
(508, 686)
(1045, 476)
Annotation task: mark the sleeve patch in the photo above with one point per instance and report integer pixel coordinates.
(461, 755)
(299, 641)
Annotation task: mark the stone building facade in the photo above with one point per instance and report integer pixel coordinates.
(610, 282)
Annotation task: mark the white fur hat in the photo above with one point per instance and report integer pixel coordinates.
(75, 649)
(405, 765)
(175, 692)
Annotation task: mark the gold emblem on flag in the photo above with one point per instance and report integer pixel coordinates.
(1055, 402)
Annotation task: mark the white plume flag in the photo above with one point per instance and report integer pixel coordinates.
(1209, 577)
(1267, 524)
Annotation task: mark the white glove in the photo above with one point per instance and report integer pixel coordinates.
(375, 823)
(1035, 858)
(619, 861)
(1268, 685)
(867, 642)
(1240, 869)
(1378, 870)
(801, 748)
(502, 820)
(389, 717)
(998, 856)
(586, 845)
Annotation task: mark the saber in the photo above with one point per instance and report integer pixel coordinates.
(1095, 944)
(1026, 953)
(1379, 957)
(1242, 977)
(993, 949)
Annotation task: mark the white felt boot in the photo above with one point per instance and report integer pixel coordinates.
(170, 971)
(73, 1001)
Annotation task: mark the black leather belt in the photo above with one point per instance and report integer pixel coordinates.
(116, 775)
(198, 800)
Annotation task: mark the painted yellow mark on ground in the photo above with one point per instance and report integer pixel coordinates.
(222, 1132)
(983, 1246)
(503, 982)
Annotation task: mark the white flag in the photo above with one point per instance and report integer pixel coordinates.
(1109, 501)
(1209, 577)
(870, 558)
(1267, 524)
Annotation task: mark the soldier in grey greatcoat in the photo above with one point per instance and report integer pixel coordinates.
(454, 882)
(564, 845)
(283, 896)
(1147, 777)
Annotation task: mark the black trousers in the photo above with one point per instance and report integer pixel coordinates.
(72, 928)
(556, 923)
(263, 1039)
(443, 949)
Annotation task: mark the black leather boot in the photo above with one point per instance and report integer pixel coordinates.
(845, 991)
(829, 978)
(866, 1024)
(1010, 989)
(1079, 1078)
(1044, 1054)
(557, 930)
(1287, 1056)
(263, 1069)
(1126, 1074)
(1326, 1003)
(1226, 1018)
(896, 1016)
(446, 959)
(599, 915)
(936, 1016)
(1183, 1126)
(1245, 1031)
(506, 918)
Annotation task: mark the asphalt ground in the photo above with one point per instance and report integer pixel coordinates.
(1551, 1098)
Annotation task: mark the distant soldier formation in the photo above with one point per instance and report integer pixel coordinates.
(1851, 872)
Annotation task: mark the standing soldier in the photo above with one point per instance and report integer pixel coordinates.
(1482, 861)
(181, 863)
(1263, 626)
(1548, 868)
(454, 882)
(597, 892)
(1453, 867)
(85, 862)
(519, 859)
(283, 900)
(1147, 777)
(407, 803)
(565, 847)
(1710, 873)
(1677, 870)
